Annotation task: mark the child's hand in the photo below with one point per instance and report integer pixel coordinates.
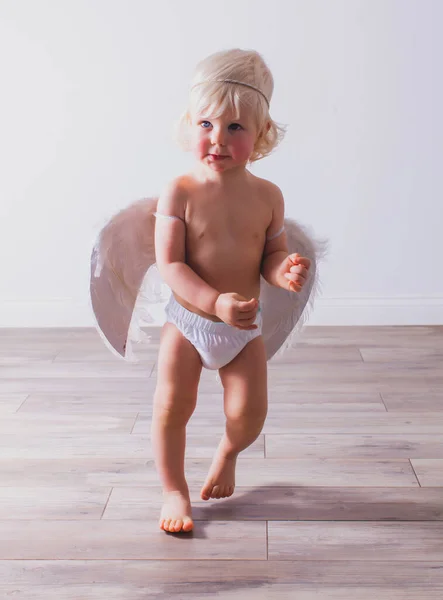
(293, 272)
(235, 310)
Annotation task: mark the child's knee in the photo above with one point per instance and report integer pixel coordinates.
(173, 408)
(251, 418)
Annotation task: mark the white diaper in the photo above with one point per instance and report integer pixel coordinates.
(217, 343)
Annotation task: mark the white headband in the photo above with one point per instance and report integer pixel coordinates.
(249, 85)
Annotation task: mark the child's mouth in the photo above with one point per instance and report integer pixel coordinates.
(217, 156)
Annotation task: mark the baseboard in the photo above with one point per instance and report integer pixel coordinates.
(349, 310)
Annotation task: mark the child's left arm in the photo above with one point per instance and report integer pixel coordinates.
(288, 271)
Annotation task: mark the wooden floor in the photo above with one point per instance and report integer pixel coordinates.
(341, 497)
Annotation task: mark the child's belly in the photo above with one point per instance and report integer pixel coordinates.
(228, 268)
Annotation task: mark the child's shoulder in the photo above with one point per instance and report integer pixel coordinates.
(172, 199)
(180, 186)
(268, 189)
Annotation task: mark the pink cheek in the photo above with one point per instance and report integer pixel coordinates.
(199, 144)
(241, 148)
(201, 147)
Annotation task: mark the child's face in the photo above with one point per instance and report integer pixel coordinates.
(224, 142)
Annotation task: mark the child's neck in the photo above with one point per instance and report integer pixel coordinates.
(228, 177)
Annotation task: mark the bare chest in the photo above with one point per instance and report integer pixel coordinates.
(227, 225)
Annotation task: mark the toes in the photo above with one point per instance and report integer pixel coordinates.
(177, 525)
(226, 492)
(217, 492)
(188, 525)
(172, 526)
(165, 524)
(206, 493)
(222, 492)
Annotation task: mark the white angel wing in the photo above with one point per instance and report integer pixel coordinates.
(125, 282)
(285, 313)
(124, 276)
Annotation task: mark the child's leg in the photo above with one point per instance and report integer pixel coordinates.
(179, 369)
(244, 381)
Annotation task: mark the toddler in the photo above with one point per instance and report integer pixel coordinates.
(218, 229)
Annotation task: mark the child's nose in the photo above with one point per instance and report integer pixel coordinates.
(218, 137)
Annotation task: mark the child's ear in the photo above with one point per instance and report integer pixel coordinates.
(265, 129)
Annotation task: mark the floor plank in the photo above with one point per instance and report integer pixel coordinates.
(240, 573)
(20, 424)
(284, 421)
(301, 503)
(52, 503)
(428, 336)
(70, 540)
(425, 401)
(80, 369)
(354, 445)
(100, 403)
(355, 541)
(225, 590)
(403, 355)
(103, 444)
(88, 469)
(114, 403)
(429, 471)
(10, 403)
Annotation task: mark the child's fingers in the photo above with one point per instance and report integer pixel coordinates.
(246, 314)
(300, 260)
(294, 288)
(249, 321)
(294, 257)
(246, 324)
(302, 271)
(247, 306)
(295, 280)
(295, 277)
(306, 262)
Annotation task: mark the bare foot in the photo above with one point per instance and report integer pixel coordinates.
(176, 512)
(220, 481)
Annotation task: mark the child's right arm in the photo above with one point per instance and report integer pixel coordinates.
(170, 234)
(170, 254)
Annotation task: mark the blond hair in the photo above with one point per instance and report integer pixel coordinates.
(226, 81)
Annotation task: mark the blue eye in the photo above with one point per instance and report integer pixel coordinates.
(205, 124)
(235, 126)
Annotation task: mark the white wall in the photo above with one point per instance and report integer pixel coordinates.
(90, 90)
